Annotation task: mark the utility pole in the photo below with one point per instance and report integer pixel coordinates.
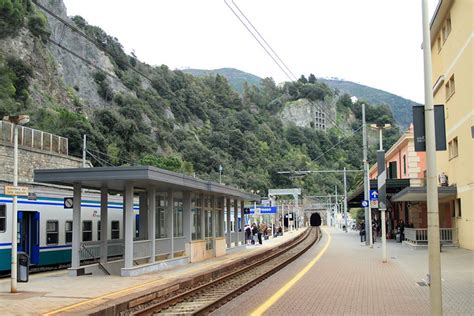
(434, 262)
(345, 198)
(84, 148)
(382, 176)
(336, 203)
(368, 217)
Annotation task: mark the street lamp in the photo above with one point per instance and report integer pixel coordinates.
(16, 120)
(382, 175)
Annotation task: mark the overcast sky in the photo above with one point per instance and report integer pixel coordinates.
(372, 42)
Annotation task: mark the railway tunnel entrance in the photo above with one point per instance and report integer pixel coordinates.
(315, 219)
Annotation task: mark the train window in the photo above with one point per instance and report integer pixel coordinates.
(68, 232)
(115, 230)
(86, 230)
(3, 218)
(52, 232)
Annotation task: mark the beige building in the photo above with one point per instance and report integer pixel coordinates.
(452, 48)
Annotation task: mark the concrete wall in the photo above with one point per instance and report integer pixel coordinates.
(30, 159)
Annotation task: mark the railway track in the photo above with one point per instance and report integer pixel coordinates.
(208, 297)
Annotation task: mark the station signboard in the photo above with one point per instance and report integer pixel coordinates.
(16, 190)
(261, 210)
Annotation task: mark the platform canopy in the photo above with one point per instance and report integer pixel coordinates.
(142, 177)
(418, 194)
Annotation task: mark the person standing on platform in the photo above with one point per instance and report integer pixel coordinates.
(254, 233)
(248, 234)
(259, 233)
(362, 231)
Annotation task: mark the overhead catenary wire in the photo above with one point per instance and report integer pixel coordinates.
(263, 39)
(114, 157)
(338, 143)
(87, 37)
(100, 160)
(271, 56)
(258, 41)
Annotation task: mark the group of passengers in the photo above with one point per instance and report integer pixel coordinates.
(255, 232)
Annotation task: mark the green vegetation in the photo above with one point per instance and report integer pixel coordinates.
(195, 124)
(400, 107)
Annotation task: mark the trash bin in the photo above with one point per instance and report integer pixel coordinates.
(23, 262)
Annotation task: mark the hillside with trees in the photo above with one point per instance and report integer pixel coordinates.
(134, 113)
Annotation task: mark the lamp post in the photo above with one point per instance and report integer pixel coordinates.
(382, 176)
(220, 174)
(16, 120)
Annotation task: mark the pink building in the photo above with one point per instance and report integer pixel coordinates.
(409, 204)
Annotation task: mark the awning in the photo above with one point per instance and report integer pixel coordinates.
(418, 194)
(393, 186)
(142, 177)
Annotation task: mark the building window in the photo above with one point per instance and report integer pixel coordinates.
(115, 230)
(98, 230)
(450, 88)
(68, 232)
(178, 218)
(404, 164)
(453, 148)
(458, 203)
(3, 218)
(86, 230)
(448, 27)
(52, 232)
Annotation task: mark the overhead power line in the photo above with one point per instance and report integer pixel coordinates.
(335, 145)
(263, 39)
(258, 41)
(87, 37)
(278, 61)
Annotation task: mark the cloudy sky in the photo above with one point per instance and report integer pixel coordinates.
(372, 42)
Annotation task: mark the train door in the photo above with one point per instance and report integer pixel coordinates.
(28, 234)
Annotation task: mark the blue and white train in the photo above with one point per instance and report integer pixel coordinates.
(45, 225)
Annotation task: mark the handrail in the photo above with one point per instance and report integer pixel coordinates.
(98, 262)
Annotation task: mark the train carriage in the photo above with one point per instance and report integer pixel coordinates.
(45, 226)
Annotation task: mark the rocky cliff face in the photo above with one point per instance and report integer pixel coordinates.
(75, 73)
(311, 114)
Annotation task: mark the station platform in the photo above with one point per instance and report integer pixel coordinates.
(342, 276)
(55, 293)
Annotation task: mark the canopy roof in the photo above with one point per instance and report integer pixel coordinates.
(142, 177)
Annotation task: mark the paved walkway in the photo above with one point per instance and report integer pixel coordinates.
(50, 291)
(350, 279)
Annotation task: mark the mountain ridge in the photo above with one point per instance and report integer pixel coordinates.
(401, 107)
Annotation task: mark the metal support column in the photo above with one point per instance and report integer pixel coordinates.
(368, 227)
(242, 221)
(151, 196)
(143, 216)
(187, 217)
(76, 226)
(434, 262)
(236, 223)
(345, 199)
(129, 229)
(170, 222)
(104, 224)
(228, 226)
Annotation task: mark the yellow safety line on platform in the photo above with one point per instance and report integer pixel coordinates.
(275, 297)
(62, 309)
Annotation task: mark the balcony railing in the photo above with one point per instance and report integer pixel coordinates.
(419, 236)
(32, 138)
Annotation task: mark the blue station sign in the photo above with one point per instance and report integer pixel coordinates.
(265, 210)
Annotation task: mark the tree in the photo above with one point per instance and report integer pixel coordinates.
(312, 78)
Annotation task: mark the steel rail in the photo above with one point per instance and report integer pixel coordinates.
(183, 297)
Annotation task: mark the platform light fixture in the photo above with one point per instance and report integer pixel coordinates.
(16, 120)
